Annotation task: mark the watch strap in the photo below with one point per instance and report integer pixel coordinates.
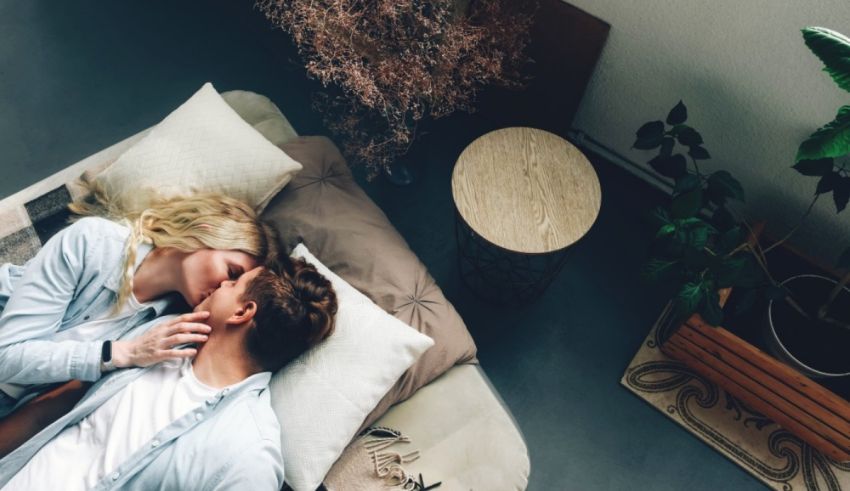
(106, 363)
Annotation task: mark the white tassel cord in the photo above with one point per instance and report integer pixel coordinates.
(388, 465)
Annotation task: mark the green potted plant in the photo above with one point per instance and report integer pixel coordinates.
(701, 247)
(823, 155)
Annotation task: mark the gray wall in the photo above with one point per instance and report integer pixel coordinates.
(752, 87)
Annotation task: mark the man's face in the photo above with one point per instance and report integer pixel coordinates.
(227, 299)
(205, 269)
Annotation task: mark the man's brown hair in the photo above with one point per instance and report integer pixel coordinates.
(295, 311)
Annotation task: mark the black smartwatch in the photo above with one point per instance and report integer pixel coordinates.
(106, 364)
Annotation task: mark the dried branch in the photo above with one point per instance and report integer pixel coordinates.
(387, 64)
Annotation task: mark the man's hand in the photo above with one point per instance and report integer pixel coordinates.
(158, 343)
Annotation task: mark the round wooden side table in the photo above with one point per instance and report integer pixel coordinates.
(522, 197)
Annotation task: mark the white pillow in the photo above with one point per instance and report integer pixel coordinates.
(202, 146)
(322, 397)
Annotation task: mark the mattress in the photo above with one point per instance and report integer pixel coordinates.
(466, 435)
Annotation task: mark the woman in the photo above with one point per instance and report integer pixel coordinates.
(97, 279)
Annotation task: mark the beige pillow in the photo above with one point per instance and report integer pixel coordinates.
(204, 145)
(325, 208)
(262, 114)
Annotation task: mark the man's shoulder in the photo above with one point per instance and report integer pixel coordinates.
(238, 448)
(249, 452)
(245, 431)
(257, 420)
(242, 422)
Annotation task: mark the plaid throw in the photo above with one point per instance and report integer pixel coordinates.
(30, 217)
(25, 227)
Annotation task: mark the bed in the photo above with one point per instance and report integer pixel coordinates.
(466, 436)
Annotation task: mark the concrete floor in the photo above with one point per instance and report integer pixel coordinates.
(78, 76)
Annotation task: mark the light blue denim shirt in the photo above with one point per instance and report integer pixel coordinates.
(73, 278)
(231, 442)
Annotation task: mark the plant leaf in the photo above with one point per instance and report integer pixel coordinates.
(841, 193)
(689, 298)
(751, 276)
(722, 185)
(678, 114)
(730, 239)
(699, 153)
(669, 246)
(832, 140)
(696, 232)
(729, 271)
(827, 183)
(817, 167)
(695, 258)
(686, 183)
(687, 204)
(659, 269)
(651, 130)
(665, 230)
(674, 166)
(833, 49)
(673, 238)
(693, 222)
(844, 259)
(722, 219)
(647, 144)
(689, 137)
(710, 309)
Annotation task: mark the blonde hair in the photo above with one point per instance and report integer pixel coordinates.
(186, 223)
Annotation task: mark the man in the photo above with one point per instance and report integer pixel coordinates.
(204, 423)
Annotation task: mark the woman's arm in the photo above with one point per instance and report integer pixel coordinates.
(38, 304)
(34, 416)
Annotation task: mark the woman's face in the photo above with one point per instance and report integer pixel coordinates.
(204, 270)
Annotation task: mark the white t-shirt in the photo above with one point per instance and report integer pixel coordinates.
(79, 457)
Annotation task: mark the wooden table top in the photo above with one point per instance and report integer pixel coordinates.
(526, 190)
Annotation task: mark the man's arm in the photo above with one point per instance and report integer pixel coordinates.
(34, 416)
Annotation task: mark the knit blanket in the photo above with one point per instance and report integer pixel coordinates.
(374, 461)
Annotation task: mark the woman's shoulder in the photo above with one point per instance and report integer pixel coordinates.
(99, 228)
(96, 235)
(98, 240)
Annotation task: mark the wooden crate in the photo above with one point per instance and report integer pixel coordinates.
(816, 415)
(807, 409)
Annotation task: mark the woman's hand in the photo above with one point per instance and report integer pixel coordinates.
(158, 343)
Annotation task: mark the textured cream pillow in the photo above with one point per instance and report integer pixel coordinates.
(262, 114)
(202, 146)
(323, 396)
